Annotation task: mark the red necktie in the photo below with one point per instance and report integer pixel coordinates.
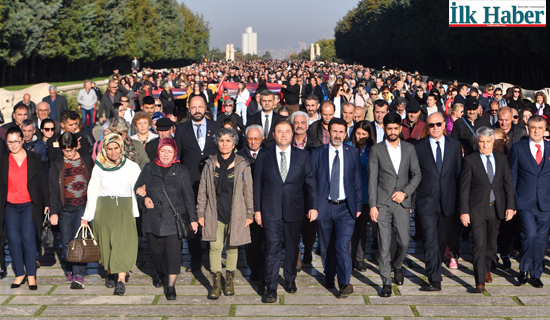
(254, 155)
(538, 157)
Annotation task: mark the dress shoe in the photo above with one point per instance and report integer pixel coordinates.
(506, 264)
(270, 297)
(120, 289)
(398, 277)
(308, 258)
(158, 280)
(17, 285)
(522, 277)
(110, 281)
(488, 277)
(290, 287)
(535, 282)
(3, 270)
(361, 266)
(193, 267)
(434, 286)
(493, 265)
(329, 283)
(386, 291)
(345, 291)
(480, 288)
(170, 293)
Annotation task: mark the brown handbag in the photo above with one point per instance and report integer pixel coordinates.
(83, 250)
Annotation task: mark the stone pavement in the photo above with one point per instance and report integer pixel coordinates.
(55, 300)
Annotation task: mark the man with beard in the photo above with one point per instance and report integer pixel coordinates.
(193, 153)
(319, 129)
(312, 107)
(394, 168)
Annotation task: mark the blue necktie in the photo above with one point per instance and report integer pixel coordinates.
(335, 178)
(491, 175)
(438, 157)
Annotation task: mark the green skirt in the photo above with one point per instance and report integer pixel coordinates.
(114, 227)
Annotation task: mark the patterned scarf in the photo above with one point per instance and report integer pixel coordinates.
(171, 143)
(103, 160)
(129, 149)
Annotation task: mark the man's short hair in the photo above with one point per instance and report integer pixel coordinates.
(536, 118)
(52, 88)
(312, 97)
(381, 103)
(20, 105)
(485, 132)
(347, 103)
(229, 101)
(267, 93)
(28, 122)
(148, 100)
(69, 114)
(302, 114)
(281, 122)
(392, 118)
(254, 126)
(335, 120)
(328, 102)
(400, 101)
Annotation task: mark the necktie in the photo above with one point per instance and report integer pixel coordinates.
(438, 157)
(335, 178)
(254, 155)
(266, 127)
(284, 169)
(538, 157)
(491, 175)
(199, 135)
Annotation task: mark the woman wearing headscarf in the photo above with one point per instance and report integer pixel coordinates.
(132, 148)
(113, 207)
(225, 208)
(167, 183)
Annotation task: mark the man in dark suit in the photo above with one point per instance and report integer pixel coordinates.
(255, 258)
(492, 113)
(440, 160)
(195, 142)
(530, 165)
(394, 174)
(135, 65)
(112, 95)
(266, 118)
(340, 199)
(486, 198)
(462, 93)
(284, 186)
(58, 103)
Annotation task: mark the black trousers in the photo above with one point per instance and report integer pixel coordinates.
(309, 234)
(166, 253)
(275, 231)
(255, 251)
(509, 233)
(359, 237)
(435, 228)
(484, 232)
(455, 233)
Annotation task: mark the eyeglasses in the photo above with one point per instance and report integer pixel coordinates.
(516, 117)
(432, 125)
(124, 100)
(254, 139)
(419, 90)
(14, 142)
(493, 110)
(158, 105)
(516, 91)
(49, 129)
(498, 94)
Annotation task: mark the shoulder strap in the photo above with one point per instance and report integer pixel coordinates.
(469, 127)
(168, 198)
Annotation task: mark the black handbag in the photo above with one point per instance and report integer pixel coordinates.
(182, 226)
(46, 236)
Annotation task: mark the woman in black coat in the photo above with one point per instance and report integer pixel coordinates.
(23, 202)
(158, 218)
(167, 99)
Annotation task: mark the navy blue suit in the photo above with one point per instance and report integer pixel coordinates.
(335, 223)
(532, 190)
(282, 206)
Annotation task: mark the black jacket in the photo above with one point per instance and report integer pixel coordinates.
(106, 105)
(462, 133)
(424, 112)
(167, 100)
(237, 120)
(291, 94)
(315, 132)
(37, 184)
(57, 180)
(318, 91)
(515, 134)
(545, 111)
(257, 119)
(54, 150)
(60, 105)
(160, 220)
(151, 148)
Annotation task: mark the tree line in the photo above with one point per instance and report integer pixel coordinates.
(415, 35)
(53, 40)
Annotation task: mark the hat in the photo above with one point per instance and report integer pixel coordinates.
(164, 124)
(471, 103)
(413, 106)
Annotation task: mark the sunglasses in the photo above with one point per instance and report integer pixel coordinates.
(516, 91)
(158, 105)
(432, 125)
(48, 129)
(124, 100)
(498, 94)
(516, 117)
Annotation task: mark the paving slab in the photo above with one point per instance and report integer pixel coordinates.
(322, 300)
(141, 311)
(477, 311)
(202, 299)
(18, 310)
(535, 300)
(77, 300)
(83, 318)
(102, 290)
(300, 311)
(525, 290)
(445, 291)
(278, 318)
(445, 318)
(442, 300)
(24, 289)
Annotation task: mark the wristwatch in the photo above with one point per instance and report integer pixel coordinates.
(406, 195)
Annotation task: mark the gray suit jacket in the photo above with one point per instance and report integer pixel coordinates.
(383, 180)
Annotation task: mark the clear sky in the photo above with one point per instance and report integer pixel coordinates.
(283, 26)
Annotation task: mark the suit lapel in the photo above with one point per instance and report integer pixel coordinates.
(386, 155)
(192, 134)
(325, 162)
(276, 164)
(532, 161)
(402, 162)
(546, 154)
(479, 162)
(446, 154)
(428, 150)
(293, 162)
(209, 134)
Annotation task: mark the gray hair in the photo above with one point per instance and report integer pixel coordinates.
(119, 125)
(28, 122)
(52, 88)
(255, 126)
(485, 132)
(229, 131)
(229, 101)
(400, 101)
(302, 114)
(347, 103)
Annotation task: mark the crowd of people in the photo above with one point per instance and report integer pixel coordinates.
(338, 149)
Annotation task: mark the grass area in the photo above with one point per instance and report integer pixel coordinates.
(58, 84)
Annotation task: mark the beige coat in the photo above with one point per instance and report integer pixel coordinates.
(242, 206)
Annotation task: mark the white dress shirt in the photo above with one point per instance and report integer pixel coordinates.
(484, 160)
(263, 116)
(403, 116)
(434, 147)
(331, 155)
(534, 149)
(379, 133)
(202, 140)
(287, 155)
(540, 109)
(395, 155)
(254, 154)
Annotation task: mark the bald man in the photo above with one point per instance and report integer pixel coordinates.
(514, 132)
(42, 112)
(31, 106)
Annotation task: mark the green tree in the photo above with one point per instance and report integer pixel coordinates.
(328, 51)
(195, 36)
(216, 54)
(267, 56)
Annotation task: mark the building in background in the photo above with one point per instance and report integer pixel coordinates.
(250, 41)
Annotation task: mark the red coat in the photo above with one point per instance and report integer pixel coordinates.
(416, 133)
